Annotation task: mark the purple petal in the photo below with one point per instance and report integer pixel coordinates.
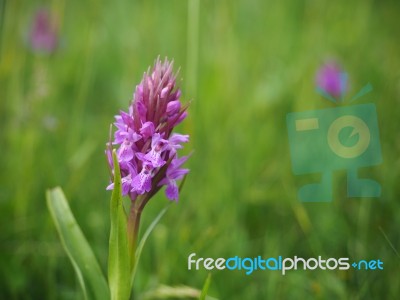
(158, 145)
(177, 138)
(173, 107)
(177, 120)
(109, 157)
(177, 174)
(110, 186)
(142, 182)
(175, 142)
(147, 129)
(172, 191)
(126, 184)
(154, 157)
(156, 140)
(142, 111)
(177, 162)
(125, 152)
(126, 119)
(163, 181)
(165, 91)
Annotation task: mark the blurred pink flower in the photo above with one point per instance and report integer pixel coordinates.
(43, 35)
(331, 80)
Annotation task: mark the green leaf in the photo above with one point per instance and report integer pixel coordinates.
(143, 241)
(90, 276)
(118, 258)
(205, 287)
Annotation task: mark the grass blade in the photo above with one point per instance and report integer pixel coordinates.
(118, 257)
(204, 291)
(143, 240)
(88, 271)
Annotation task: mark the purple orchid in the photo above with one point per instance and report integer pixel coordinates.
(43, 36)
(146, 147)
(332, 80)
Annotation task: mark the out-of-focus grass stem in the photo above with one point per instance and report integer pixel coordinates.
(2, 10)
(192, 46)
(82, 93)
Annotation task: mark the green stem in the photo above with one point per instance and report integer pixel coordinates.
(133, 229)
(137, 207)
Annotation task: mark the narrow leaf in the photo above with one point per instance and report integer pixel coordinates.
(143, 241)
(83, 260)
(389, 242)
(118, 257)
(205, 287)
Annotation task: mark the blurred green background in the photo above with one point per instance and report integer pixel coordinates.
(245, 64)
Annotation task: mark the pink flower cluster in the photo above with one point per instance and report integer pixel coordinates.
(146, 146)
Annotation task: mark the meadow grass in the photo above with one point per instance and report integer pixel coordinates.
(245, 64)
